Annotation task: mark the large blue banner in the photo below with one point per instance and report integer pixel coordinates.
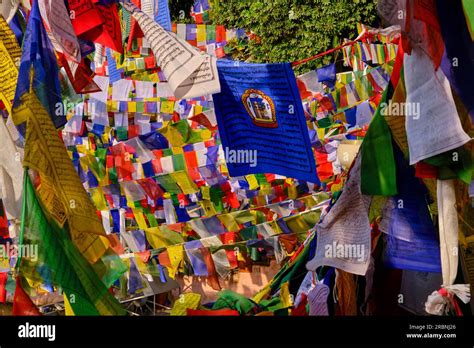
(261, 121)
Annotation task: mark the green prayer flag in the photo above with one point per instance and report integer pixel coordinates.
(454, 164)
(122, 133)
(378, 171)
(178, 162)
(168, 183)
(468, 7)
(59, 262)
(232, 300)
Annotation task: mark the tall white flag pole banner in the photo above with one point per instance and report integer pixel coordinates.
(439, 302)
(189, 72)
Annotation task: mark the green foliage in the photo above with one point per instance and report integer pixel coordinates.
(291, 30)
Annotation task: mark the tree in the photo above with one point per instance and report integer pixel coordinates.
(291, 30)
(180, 10)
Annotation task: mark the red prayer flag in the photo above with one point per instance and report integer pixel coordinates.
(229, 238)
(22, 304)
(3, 222)
(135, 30)
(192, 165)
(82, 78)
(425, 171)
(84, 17)
(97, 23)
(111, 35)
(3, 290)
(212, 313)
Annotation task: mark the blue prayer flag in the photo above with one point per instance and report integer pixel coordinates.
(114, 73)
(38, 53)
(196, 258)
(162, 15)
(134, 278)
(459, 49)
(261, 121)
(412, 241)
(327, 75)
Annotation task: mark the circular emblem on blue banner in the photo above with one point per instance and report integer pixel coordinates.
(260, 107)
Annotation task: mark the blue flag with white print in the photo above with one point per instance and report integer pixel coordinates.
(38, 53)
(261, 121)
(162, 14)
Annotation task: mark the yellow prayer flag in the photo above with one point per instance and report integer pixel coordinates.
(188, 300)
(115, 105)
(177, 150)
(253, 182)
(10, 55)
(197, 109)
(4, 263)
(262, 293)
(184, 182)
(292, 192)
(229, 222)
(285, 295)
(297, 224)
(45, 153)
(132, 107)
(208, 207)
(176, 255)
(172, 135)
(206, 192)
(142, 268)
(336, 187)
(244, 216)
(67, 307)
(309, 201)
(140, 218)
(205, 134)
(275, 227)
(98, 198)
(154, 77)
(167, 107)
(153, 237)
(201, 33)
(131, 66)
(321, 133)
(265, 190)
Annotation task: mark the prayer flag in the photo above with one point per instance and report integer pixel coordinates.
(258, 104)
(457, 60)
(412, 241)
(162, 14)
(468, 7)
(378, 170)
(66, 267)
(38, 53)
(22, 304)
(327, 75)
